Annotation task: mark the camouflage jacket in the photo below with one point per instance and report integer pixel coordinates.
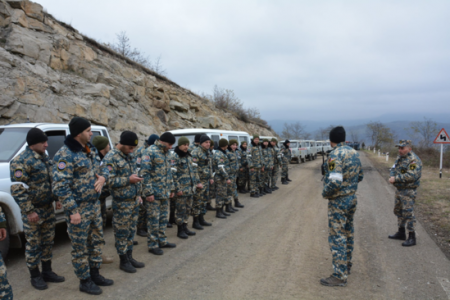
(243, 154)
(407, 171)
(343, 172)
(121, 167)
(255, 159)
(139, 152)
(74, 174)
(235, 165)
(276, 156)
(222, 165)
(185, 175)
(202, 158)
(32, 173)
(193, 147)
(2, 219)
(155, 169)
(268, 156)
(286, 152)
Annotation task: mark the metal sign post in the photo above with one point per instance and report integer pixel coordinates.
(442, 138)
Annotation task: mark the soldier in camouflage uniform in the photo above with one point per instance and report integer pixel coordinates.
(286, 153)
(78, 179)
(212, 186)
(142, 219)
(235, 165)
(276, 164)
(268, 165)
(158, 188)
(343, 173)
(186, 181)
(31, 171)
(5, 289)
(405, 176)
(256, 167)
(201, 156)
(124, 184)
(196, 143)
(243, 171)
(223, 180)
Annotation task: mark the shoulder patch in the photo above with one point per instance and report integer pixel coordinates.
(138, 160)
(62, 164)
(412, 166)
(110, 167)
(146, 158)
(18, 173)
(331, 165)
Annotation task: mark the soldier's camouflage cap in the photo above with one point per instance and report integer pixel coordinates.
(404, 143)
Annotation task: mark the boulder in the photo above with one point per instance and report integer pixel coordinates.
(8, 113)
(162, 116)
(31, 9)
(162, 105)
(19, 17)
(178, 106)
(209, 122)
(96, 90)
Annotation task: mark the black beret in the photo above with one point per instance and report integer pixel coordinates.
(168, 137)
(36, 136)
(129, 138)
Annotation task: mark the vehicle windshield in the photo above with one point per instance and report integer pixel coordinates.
(294, 145)
(11, 140)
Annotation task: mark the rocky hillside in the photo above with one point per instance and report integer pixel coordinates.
(49, 72)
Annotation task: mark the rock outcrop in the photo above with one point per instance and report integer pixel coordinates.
(50, 72)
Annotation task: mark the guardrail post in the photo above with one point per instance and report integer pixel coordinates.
(387, 156)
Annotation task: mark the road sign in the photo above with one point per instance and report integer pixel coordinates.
(442, 137)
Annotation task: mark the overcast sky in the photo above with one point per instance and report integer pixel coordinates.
(300, 60)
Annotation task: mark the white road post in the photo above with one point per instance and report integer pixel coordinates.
(378, 152)
(440, 165)
(387, 156)
(373, 150)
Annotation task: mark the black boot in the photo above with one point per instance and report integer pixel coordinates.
(196, 224)
(275, 188)
(99, 279)
(411, 241)
(36, 279)
(232, 208)
(399, 235)
(142, 232)
(254, 195)
(47, 273)
(283, 181)
(237, 203)
(224, 213)
(228, 208)
(134, 262)
(181, 233)
(187, 231)
(242, 190)
(219, 214)
(287, 178)
(267, 190)
(169, 225)
(89, 287)
(209, 207)
(201, 220)
(168, 245)
(261, 192)
(126, 265)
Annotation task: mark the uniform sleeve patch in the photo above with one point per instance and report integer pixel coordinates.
(331, 166)
(110, 167)
(138, 160)
(412, 166)
(146, 158)
(62, 165)
(18, 173)
(194, 159)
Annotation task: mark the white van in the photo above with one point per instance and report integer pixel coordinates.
(309, 153)
(313, 149)
(13, 142)
(214, 134)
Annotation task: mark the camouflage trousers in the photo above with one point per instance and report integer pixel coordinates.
(224, 192)
(274, 176)
(284, 171)
(404, 208)
(87, 239)
(243, 177)
(200, 199)
(125, 214)
(255, 180)
(5, 288)
(183, 209)
(105, 194)
(340, 229)
(212, 192)
(39, 236)
(234, 193)
(142, 218)
(157, 218)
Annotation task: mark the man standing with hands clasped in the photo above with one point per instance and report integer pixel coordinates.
(343, 173)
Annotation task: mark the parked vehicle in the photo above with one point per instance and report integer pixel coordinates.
(319, 146)
(13, 142)
(214, 134)
(313, 149)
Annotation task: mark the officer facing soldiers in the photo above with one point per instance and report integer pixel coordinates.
(158, 187)
(30, 173)
(235, 165)
(276, 164)
(243, 171)
(268, 165)
(222, 180)
(125, 187)
(343, 173)
(78, 178)
(186, 181)
(256, 166)
(101, 143)
(5, 288)
(201, 156)
(405, 176)
(142, 219)
(286, 152)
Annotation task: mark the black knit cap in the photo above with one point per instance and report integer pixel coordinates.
(197, 138)
(77, 125)
(167, 137)
(36, 136)
(204, 138)
(337, 135)
(129, 138)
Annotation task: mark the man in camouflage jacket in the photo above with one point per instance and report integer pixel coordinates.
(256, 168)
(286, 154)
(268, 165)
(243, 171)
(405, 176)
(277, 157)
(223, 179)
(235, 165)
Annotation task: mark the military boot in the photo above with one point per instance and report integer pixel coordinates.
(232, 208)
(171, 217)
(228, 208)
(274, 188)
(36, 279)
(99, 279)
(237, 203)
(219, 214)
(283, 181)
(224, 213)
(254, 195)
(181, 233)
(333, 281)
(125, 264)
(399, 235)
(261, 192)
(242, 190)
(47, 273)
(89, 287)
(142, 232)
(187, 231)
(411, 241)
(209, 207)
(168, 245)
(134, 262)
(201, 220)
(287, 178)
(196, 224)
(267, 190)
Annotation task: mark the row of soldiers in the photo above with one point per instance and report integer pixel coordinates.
(143, 182)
